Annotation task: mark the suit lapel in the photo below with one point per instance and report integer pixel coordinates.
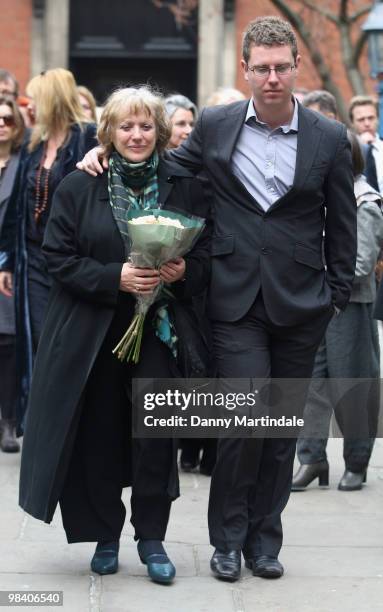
(229, 129)
(309, 135)
(308, 139)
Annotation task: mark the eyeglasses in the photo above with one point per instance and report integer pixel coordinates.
(263, 72)
(8, 120)
(8, 94)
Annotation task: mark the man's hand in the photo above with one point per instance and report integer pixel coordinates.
(94, 162)
(139, 281)
(6, 283)
(173, 271)
(367, 137)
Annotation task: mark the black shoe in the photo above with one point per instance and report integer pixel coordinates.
(309, 472)
(188, 466)
(8, 441)
(265, 566)
(352, 481)
(105, 558)
(226, 565)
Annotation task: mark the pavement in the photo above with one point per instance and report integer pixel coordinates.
(332, 553)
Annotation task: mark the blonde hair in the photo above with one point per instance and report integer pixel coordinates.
(89, 97)
(58, 107)
(19, 129)
(134, 100)
(225, 95)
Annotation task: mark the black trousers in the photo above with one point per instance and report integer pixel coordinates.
(251, 481)
(8, 386)
(105, 458)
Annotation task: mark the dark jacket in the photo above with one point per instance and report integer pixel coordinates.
(278, 251)
(85, 254)
(7, 308)
(13, 252)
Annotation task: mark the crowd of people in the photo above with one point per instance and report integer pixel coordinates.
(282, 280)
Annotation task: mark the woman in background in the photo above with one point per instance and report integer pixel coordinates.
(11, 137)
(88, 103)
(183, 115)
(60, 137)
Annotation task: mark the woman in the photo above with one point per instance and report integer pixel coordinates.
(183, 115)
(11, 136)
(349, 350)
(78, 449)
(60, 137)
(88, 103)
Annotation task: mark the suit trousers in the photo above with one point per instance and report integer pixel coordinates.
(251, 481)
(349, 350)
(8, 387)
(105, 458)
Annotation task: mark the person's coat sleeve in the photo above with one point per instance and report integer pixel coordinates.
(66, 260)
(340, 243)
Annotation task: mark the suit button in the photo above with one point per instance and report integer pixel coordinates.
(264, 250)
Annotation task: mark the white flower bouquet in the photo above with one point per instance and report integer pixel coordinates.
(156, 236)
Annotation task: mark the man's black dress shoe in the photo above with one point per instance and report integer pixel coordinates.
(226, 565)
(105, 558)
(309, 472)
(265, 566)
(352, 481)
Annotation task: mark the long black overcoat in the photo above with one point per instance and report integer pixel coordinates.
(85, 254)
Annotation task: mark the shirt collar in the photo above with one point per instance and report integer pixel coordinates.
(289, 128)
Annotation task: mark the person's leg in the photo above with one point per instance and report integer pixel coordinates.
(155, 475)
(242, 351)
(292, 355)
(311, 444)
(91, 505)
(8, 394)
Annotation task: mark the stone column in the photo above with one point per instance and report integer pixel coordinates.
(210, 47)
(56, 32)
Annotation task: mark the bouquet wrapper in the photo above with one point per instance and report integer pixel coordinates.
(151, 245)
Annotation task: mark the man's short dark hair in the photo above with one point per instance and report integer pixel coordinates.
(361, 101)
(5, 75)
(324, 99)
(268, 32)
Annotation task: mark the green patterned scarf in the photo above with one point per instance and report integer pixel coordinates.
(136, 186)
(131, 186)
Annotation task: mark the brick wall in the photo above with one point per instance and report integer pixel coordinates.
(15, 18)
(325, 33)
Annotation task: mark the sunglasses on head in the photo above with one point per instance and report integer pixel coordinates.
(8, 120)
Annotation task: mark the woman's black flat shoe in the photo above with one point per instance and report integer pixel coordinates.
(105, 558)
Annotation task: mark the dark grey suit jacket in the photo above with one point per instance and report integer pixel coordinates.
(281, 250)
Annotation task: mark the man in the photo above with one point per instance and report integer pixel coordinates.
(274, 167)
(363, 113)
(321, 101)
(281, 175)
(8, 85)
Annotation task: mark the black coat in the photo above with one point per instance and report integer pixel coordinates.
(280, 250)
(85, 254)
(13, 248)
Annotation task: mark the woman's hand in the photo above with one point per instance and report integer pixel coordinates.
(173, 271)
(140, 281)
(91, 161)
(6, 283)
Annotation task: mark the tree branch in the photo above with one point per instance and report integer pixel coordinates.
(320, 10)
(359, 46)
(360, 13)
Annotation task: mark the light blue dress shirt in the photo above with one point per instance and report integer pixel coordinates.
(264, 158)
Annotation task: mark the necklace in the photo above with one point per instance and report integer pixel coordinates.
(41, 203)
